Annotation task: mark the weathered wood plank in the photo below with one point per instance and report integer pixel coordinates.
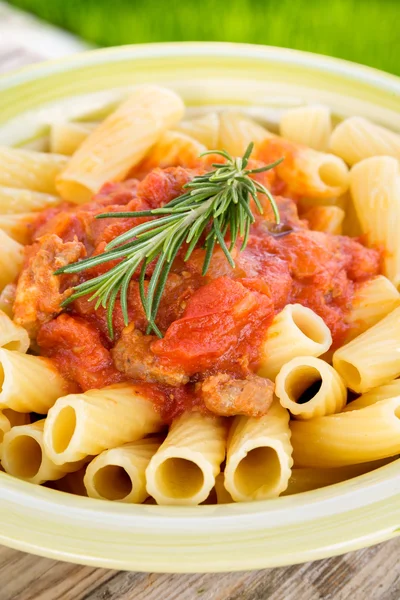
(372, 573)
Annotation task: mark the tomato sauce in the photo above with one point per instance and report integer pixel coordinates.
(210, 323)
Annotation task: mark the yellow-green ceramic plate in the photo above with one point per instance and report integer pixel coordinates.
(312, 525)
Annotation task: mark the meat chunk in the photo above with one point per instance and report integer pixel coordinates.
(227, 397)
(39, 292)
(133, 357)
(76, 348)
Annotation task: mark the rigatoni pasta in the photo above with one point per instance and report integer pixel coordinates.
(29, 383)
(23, 455)
(183, 470)
(17, 200)
(67, 136)
(18, 226)
(305, 479)
(357, 138)
(11, 259)
(295, 331)
(308, 387)
(81, 425)
(339, 440)
(371, 302)
(372, 358)
(119, 474)
(375, 189)
(29, 170)
(204, 129)
(12, 336)
(382, 392)
(259, 456)
(119, 142)
(309, 125)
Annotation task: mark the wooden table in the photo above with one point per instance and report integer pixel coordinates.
(371, 574)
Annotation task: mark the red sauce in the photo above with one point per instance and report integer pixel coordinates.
(212, 323)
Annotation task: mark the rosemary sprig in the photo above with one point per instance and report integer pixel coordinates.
(215, 204)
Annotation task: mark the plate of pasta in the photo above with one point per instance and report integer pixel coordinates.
(199, 308)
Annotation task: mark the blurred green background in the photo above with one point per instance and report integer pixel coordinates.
(364, 31)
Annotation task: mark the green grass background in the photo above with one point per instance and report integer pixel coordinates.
(364, 31)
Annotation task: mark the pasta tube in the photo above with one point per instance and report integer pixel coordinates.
(237, 131)
(357, 436)
(357, 138)
(12, 336)
(11, 259)
(24, 457)
(375, 188)
(81, 425)
(18, 226)
(308, 387)
(8, 419)
(382, 392)
(259, 457)
(307, 478)
(174, 148)
(7, 297)
(184, 469)
(309, 125)
(15, 200)
(295, 331)
(66, 137)
(371, 302)
(29, 383)
(119, 474)
(30, 170)
(120, 142)
(372, 358)
(204, 129)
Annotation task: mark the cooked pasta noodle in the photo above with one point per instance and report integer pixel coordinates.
(237, 131)
(120, 473)
(310, 125)
(375, 188)
(28, 383)
(11, 259)
(371, 302)
(29, 170)
(120, 142)
(7, 296)
(308, 387)
(295, 331)
(18, 226)
(357, 138)
(15, 200)
(184, 469)
(348, 438)
(12, 336)
(307, 478)
(81, 425)
(23, 455)
(66, 137)
(382, 392)
(174, 148)
(372, 358)
(204, 129)
(259, 457)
